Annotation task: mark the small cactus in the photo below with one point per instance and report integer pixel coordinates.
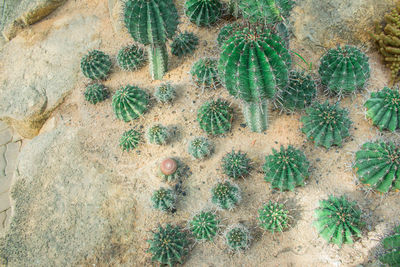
(169, 245)
(96, 93)
(236, 164)
(273, 217)
(383, 108)
(237, 237)
(225, 195)
(266, 11)
(164, 199)
(158, 134)
(286, 169)
(378, 165)
(227, 32)
(203, 12)
(165, 93)
(131, 57)
(200, 148)
(215, 117)
(204, 226)
(96, 65)
(172, 170)
(391, 244)
(326, 124)
(129, 103)
(205, 74)
(184, 44)
(130, 140)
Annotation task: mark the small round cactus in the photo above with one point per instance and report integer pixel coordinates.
(169, 245)
(273, 217)
(165, 93)
(266, 11)
(204, 226)
(227, 32)
(286, 169)
(184, 44)
(158, 134)
(215, 117)
(131, 57)
(391, 244)
(130, 140)
(383, 108)
(96, 65)
(203, 12)
(200, 148)
(326, 124)
(378, 165)
(237, 237)
(171, 170)
(96, 93)
(129, 103)
(205, 74)
(344, 70)
(164, 199)
(236, 164)
(225, 195)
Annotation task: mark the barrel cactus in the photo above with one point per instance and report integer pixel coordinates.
(96, 92)
(326, 124)
(165, 93)
(273, 217)
(236, 164)
(215, 117)
(158, 135)
(226, 32)
(266, 11)
(203, 12)
(96, 65)
(129, 102)
(377, 165)
(131, 57)
(130, 140)
(383, 108)
(225, 195)
(237, 237)
(164, 199)
(391, 244)
(204, 226)
(200, 148)
(184, 44)
(172, 170)
(204, 73)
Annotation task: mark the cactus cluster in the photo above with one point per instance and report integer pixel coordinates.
(184, 44)
(95, 93)
(203, 12)
(165, 93)
(377, 165)
(129, 102)
(200, 147)
(237, 237)
(391, 244)
(164, 199)
(236, 164)
(266, 11)
(158, 135)
(225, 195)
(96, 65)
(130, 140)
(215, 117)
(205, 74)
(273, 217)
(204, 226)
(131, 57)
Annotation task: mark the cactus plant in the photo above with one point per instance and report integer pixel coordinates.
(236, 164)
(326, 124)
(232, 9)
(215, 117)
(169, 245)
(286, 169)
(200, 148)
(338, 220)
(172, 170)
(225, 195)
(184, 44)
(203, 12)
(165, 93)
(226, 32)
(204, 226)
(204, 73)
(152, 23)
(164, 199)
(158, 134)
(266, 11)
(95, 93)
(383, 108)
(391, 244)
(237, 237)
(130, 140)
(96, 65)
(129, 102)
(377, 165)
(131, 57)
(273, 217)
(344, 70)
(256, 115)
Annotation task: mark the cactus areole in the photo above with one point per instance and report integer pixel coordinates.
(168, 166)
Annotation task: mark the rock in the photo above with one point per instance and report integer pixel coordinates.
(34, 79)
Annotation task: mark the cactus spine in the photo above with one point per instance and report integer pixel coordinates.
(129, 103)
(164, 199)
(200, 148)
(158, 134)
(204, 73)
(237, 237)
(236, 164)
(96, 65)
(225, 195)
(203, 12)
(256, 115)
(215, 117)
(184, 44)
(130, 140)
(165, 93)
(131, 57)
(96, 93)
(273, 217)
(204, 226)
(266, 11)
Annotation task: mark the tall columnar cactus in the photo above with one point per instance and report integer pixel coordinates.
(256, 115)
(237, 237)
(164, 199)
(205, 74)
(165, 93)
(131, 57)
(266, 11)
(225, 195)
(215, 116)
(326, 124)
(344, 70)
(130, 140)
(96, 65)
(338, 220)
(95, 93)
(383, 108)
(378, 165)
(203, 12)
(204, 226)
(391, 244)
(200, 148)
(184, 44)
(236, 164)
(286, 169)
(152, 23)
(129, 102)
(158, 134)
(273, 217)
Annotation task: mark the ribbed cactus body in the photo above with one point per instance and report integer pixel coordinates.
(164, 199)
(95, 93)
(200, 148)
(158, 135)
(215, 117)
(237, 237)
(391, 244)
(236, 164)
(184, 44)
(273, 217)
(131, 57)
(158, 61)
(266, 11)
(256, 115)
(165, 93)
(205, 74)
(130, 140)
(96, 65)
(204, 226)
(225, 195)
(226, 32)
(129, 103)
(203, 12)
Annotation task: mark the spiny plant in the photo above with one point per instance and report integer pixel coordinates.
(164, 199)
(96, 65)
(377, 165)
(226, 32)
(326, 124)
(225, 195)
(391, 244)
(266, 11)
(203, 12)
(130, 140)
(344, 70)
(158, 134)
(205, 74)
(152, 23)
(256, 115)
(200, 147)
(286, 169)
(131, 57)
(383, 108)
(129, 102)
(236, 164)
(232, 9)
(169, 245)
(184, 44)
(204, 226)
(165, 93)
(173, 171)
(215, 116)
(273, 217)
(96, 92)
(237, 237)
(338, 220)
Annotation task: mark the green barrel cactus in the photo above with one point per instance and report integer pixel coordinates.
(95, 93)
(236, 164)
(338, 220)
(158, 135)
(225, 195)
(383, 108)
(377, 165)
(130, 140)
(165, 93)
(391, 244)
(237, 237)
(169, 245)
(227, 32)
(344, 70)
(215, 117)
(164, 199)
(152, 23)
(184, 44)
(326, 124)
(203, 12)
(200, 148)
(204, 226)
(273, 217)
(286, 169)
(266, 11)
(129, 102)
(96, 65)
(205, 74)
(131, 57)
